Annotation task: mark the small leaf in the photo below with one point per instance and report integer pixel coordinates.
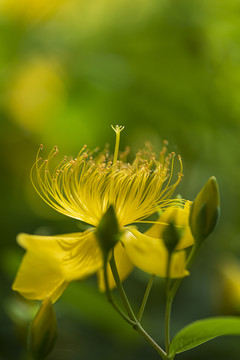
(202, 331)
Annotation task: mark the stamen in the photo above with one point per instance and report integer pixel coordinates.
(83, 188)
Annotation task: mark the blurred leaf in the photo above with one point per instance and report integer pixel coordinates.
(201, 331)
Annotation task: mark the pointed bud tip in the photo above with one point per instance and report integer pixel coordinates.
(205, 210)
(43, 331)
(171, 237)
(108, 232)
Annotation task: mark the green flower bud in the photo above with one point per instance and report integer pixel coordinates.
(43, 331)
(107, 231)
(205, 211)
(171, 236)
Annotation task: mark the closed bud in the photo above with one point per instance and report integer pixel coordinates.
(43, 331)
(171, 236)
(108, 231)
(205, 211)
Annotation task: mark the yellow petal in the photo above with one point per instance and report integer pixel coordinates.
(180, 218)
(124, 266)
(77, 255)
(150, 255)
(38, 279)
(83, 256)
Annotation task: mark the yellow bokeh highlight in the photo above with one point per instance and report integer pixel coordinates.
(230, 283)
(90, 16)
(35, 93)
(29, 10)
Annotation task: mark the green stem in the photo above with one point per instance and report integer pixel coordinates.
(121, 289)
(191, 258)
(167, 323)
(172, 292)
(135, 323)
(168, 304)
(145, 298)
(110, 298)
(148, 338)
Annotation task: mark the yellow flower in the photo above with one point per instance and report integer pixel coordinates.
(83, 188)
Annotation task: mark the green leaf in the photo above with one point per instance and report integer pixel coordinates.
(202, 331)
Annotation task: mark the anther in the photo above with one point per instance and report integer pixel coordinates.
(41, 146)
(165, 142)
(173, 153)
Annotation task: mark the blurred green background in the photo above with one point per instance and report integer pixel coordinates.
(166, 69)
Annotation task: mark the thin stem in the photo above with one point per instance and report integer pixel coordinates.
(191, 258)
(167, 322)
(168, 304)
(135, 323)
(172, 292)
(110, 298)
(121, 289)
(148, 338)
(145, 298)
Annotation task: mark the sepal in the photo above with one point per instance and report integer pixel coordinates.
(107, 232)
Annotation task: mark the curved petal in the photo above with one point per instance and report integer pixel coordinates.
(124, 266)
(38, 279)
(52, 261)
(180, 217)
(150, 255)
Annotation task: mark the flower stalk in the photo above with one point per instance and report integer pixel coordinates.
(132, 320)
(145, 297)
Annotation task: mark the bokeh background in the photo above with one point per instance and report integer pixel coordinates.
(166, 69)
